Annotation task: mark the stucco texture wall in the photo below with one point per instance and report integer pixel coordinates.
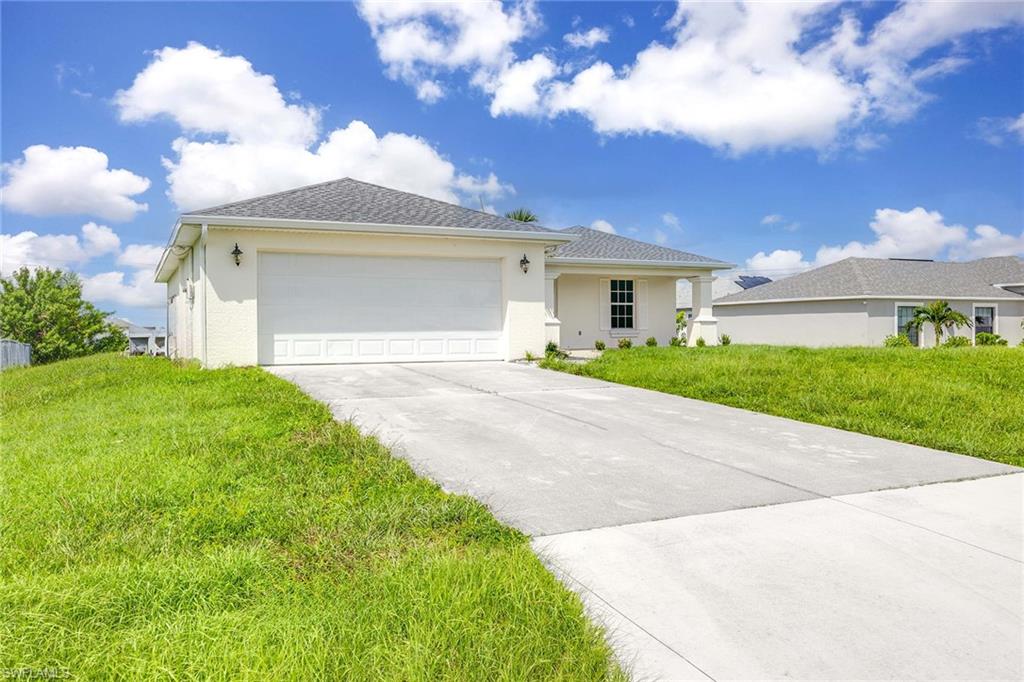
(231, 291)
(578, 304)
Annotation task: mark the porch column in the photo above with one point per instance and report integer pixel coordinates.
(552, 325)
(703, 325)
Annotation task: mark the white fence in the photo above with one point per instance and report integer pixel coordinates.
(14, 354)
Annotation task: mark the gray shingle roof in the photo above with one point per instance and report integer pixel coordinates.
(604, 246)
(896, 278)
(355, 201)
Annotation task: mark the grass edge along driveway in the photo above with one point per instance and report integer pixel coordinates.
(964, 400)
(165, 521)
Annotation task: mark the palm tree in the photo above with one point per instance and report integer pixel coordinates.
(522, 215)
(938, 314)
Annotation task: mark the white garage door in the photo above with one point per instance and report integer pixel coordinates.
(336, 309)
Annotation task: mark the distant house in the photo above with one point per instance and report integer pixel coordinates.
(720, 287)
(142, 340)
(860, 301)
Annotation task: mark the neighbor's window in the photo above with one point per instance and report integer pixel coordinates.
(622, 303)
(904, 314)
(985, 319)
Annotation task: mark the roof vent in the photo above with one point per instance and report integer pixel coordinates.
(916, 260)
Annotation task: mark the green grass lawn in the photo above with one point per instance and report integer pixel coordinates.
(163, 521)
(966, 400)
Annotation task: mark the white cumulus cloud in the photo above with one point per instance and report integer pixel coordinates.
(136, 290)
(417, 41)
(273, 145)
(517, 89)
(587, 39)
(140, 256)
(71, 181)
(602, 226)
(917, 233)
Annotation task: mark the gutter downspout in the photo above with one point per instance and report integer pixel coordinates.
(202, 243)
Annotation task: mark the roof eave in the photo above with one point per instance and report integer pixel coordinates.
(866, 297)
(546, 236)
(703, 265)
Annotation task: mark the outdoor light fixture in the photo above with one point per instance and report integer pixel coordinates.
(237, 253)
(524, 263)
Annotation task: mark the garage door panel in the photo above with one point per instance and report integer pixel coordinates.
(317, 308)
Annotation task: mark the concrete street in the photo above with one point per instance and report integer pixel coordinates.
(715, 542)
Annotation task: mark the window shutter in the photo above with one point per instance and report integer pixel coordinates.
(641, 304)
(604, 314)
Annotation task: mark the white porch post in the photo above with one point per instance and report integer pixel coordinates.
(552, 325)
(703, 325)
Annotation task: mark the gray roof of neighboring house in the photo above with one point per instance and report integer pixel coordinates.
(720, 288)
(593, 244)
(893, 278)
(354, 201)
(133, 330)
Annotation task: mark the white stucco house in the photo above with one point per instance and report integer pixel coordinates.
(346, 272)
(860, 301)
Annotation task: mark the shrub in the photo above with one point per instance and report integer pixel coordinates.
(625, 343)
(725, 340)
(988, 339)
(599, 345)
(957, 342)
(651, 341)
(897, 341)
(701, 342)
(675, 341)
(530, 357)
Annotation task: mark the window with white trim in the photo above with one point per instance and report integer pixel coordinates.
(904, 314)
(622, 302)
(984, 319)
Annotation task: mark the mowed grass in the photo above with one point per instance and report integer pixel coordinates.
(161, 521)
(966, 400)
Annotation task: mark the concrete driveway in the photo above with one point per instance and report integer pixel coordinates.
(714, 542)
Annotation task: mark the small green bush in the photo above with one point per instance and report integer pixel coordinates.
(675, 341)
(897, 341)
(625, 343)
(988, 339)
(599, 345)
(530, 357)
(956, 342)
(725, 340)
(651, 341)
(701, 342)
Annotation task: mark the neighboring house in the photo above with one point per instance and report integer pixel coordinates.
(346, 271)
(860, 301)
(720, 287)
(142, 340)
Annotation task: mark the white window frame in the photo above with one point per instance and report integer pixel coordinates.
(896, 320)
(995, 318)
(623, 331)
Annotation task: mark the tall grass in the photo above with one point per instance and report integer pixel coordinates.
(164, 521)
(965, 400)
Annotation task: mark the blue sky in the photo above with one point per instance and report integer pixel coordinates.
(777, 137)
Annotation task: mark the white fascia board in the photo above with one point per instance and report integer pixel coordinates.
(375, 228)
(875, 297)
(165, 268)
(616, 262)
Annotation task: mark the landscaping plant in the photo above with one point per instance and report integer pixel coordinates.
(599, 345)
(940, 316)
(989, 339)
(957, 342)
(725, 339)
(651, 341)
(675, 341)
(701, 342)
(625, 343)
(898, 341)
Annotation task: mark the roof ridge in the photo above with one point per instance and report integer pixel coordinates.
(271, 194)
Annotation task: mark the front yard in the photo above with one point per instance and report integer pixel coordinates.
(163, 521)
(966, 400)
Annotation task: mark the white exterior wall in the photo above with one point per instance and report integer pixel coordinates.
(578, 304)
(848, 322)
(229, 293)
